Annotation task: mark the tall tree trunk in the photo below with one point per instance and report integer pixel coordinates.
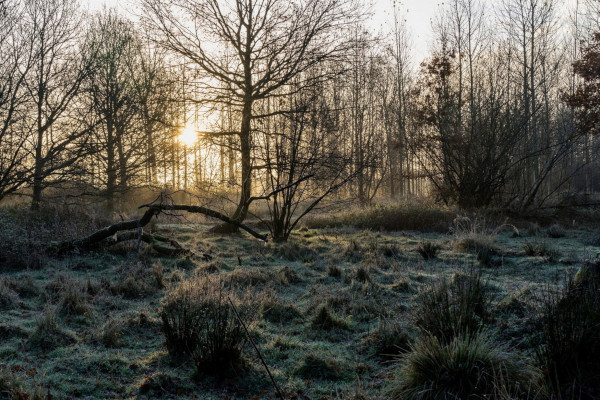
(246, 186)
(111, 170)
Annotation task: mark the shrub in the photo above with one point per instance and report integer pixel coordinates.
(198, 321)
(452, 308)
(555, 231)
(418, 215)
(570, 347)
(470, 367)
(428, 250)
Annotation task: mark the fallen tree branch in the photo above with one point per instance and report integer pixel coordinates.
(92, 241)
(132, 230)
(205, 211)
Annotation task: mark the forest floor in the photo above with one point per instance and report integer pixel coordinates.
(87, 326)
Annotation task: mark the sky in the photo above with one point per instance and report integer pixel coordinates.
(419, 14)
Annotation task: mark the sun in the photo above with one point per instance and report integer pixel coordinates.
(189, 136)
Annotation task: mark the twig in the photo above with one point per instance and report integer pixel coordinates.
(237, 315)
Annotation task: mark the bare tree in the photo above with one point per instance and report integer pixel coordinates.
(114, 98)
(300, 168)
(16, 62)
(52, 85)
(396, 109)
(250, 50)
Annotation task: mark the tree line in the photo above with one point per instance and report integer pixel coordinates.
(302, 100)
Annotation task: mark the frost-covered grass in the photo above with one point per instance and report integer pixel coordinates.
(337, 301)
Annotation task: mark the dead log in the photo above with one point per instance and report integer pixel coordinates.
(95, 239)
(208, 212)
(133, 230)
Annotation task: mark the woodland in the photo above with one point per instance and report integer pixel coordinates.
(269, 199)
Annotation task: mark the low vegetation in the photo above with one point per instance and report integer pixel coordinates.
(338, 312)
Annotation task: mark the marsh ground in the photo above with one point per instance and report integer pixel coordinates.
(87, 326)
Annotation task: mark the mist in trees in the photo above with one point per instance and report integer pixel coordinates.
(287, 103)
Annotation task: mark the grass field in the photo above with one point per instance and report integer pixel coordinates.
(336, 309)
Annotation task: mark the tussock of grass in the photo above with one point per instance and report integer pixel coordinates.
(539, 249)
(428, 250)
(570, 347)
(469, 367)
(313, 367)
(453, 308)
(287, 276)
(249, 277)
(8, 297)
(278, 311)
(417, 215)
(23, 285)
(73, 300)
(110, 333)
(390, 251)
(353, 251)
(13, 388)
(391, 338)
(556, 231)
(475, 237)
(362, 274)
(138, 279)
(292, 251)
(198, 321)
(48, 335)
(334, 271)
(323, 319)
(58, 284)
